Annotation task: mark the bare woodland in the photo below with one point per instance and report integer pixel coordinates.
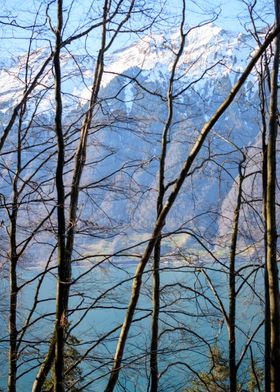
(139, 235)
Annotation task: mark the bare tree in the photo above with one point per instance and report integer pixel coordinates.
(73, 167)
(163, 215)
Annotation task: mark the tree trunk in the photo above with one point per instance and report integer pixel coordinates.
(155, 318)
(160, 200)
(264, 187)
(232, 292)
(44, 368)
(13, 334)
(13, 295)
(272, 269)
(13, 324)
(62, 283)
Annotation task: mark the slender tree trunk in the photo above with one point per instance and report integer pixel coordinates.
(13, 351)
(272, 269)
(62, 283)
(156, 277)
(232, 292)
(13, 317)
(155, 317)
(160, 200)
(13, 295)
(44, 368)
(264, 187)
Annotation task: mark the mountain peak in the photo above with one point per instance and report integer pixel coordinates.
(207, 47)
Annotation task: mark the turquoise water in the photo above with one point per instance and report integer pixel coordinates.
(190, 323)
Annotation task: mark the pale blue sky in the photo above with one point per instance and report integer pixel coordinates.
(232, 16)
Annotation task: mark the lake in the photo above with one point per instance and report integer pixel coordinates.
(191, 322)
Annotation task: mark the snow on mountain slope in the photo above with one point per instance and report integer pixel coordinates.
(123, 148)
(207, 47)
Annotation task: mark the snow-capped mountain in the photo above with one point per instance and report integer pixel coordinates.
(209, 50)
(119, 184)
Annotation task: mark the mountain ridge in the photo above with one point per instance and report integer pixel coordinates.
(125, 140)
